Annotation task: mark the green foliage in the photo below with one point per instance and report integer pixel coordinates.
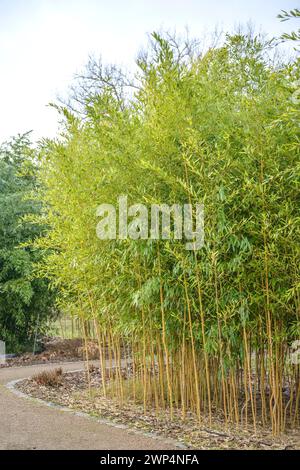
(219, 128)
(25, 302)
(288, 15)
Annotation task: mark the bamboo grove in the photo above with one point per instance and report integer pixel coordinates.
(207, 331)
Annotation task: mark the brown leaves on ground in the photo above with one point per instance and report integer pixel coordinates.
(57, 350)
(73, 392)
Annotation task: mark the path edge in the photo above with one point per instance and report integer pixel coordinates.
(11, 386)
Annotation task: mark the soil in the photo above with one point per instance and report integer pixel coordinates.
(72, 391)
(55, 350)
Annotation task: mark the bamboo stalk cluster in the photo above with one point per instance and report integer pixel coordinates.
(207, 332)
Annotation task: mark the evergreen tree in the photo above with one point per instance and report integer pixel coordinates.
(25, 302)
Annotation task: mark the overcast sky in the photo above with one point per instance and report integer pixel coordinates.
(45, 42)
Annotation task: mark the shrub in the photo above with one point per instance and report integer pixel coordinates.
(51, 378)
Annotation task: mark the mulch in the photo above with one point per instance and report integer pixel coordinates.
(73, 392)
(55, 350)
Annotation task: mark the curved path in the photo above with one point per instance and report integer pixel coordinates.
(28, 424)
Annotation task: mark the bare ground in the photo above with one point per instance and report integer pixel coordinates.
(72, 391)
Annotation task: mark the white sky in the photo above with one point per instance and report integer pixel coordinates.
(43, 43)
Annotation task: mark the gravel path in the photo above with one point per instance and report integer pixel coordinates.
(26, 424)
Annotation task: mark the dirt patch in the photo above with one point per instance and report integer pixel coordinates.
(56, 350)
(73, 392)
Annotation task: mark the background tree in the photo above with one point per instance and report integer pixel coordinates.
(25, 303)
